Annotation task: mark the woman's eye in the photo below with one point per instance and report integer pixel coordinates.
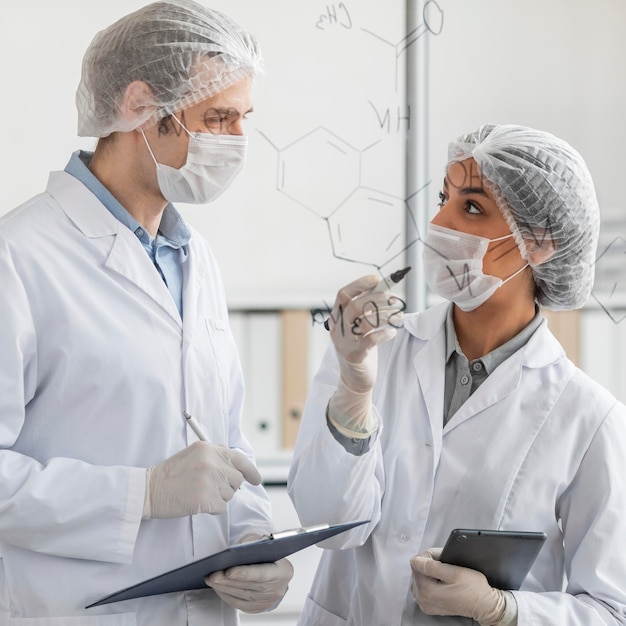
(473, 209)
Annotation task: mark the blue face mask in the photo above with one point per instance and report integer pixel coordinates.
(453, 267)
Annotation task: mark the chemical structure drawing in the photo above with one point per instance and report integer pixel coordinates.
(432, 22)
(322, 173)
(610, 289)
(318, 171)
(353, 219)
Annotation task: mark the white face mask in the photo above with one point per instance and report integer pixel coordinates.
(212, 163)
(453, 267)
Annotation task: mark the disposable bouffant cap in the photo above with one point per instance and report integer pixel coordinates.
(183, 51)
(545, 192)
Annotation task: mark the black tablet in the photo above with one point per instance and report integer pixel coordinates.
(503, 556)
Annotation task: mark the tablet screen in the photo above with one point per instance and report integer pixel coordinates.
(504, 557)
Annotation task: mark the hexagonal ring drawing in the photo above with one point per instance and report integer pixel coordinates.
(369, 227)
(318, 171)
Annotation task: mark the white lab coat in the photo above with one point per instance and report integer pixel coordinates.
(539, 446)
(96, 366)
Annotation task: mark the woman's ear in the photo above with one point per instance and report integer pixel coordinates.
(137, 105)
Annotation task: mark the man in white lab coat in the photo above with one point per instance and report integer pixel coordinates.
(471, 415)
(113, 321)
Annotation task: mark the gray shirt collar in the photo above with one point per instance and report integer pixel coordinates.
(494, 358)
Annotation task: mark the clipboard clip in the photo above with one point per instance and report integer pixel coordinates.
(292, 532)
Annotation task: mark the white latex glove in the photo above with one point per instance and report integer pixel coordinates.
(199, 479)
(444, 589)
(360, 320)
(252, 588)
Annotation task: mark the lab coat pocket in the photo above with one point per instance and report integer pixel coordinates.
(115, 619)
(315, 615)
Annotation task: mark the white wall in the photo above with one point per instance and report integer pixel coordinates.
(554, 65)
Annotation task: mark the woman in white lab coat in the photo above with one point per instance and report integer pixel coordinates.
(112, 322)
(470, 415)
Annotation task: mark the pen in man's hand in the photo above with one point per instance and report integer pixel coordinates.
(386, 283)
(196, 426)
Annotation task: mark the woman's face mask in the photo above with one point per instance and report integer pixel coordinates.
(212, 163)
(453, 267)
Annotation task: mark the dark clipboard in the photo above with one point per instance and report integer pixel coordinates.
(504, 557)
(268, 550)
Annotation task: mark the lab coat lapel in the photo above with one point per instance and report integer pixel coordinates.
(500, 383)
(128, 258)
(429, 363)
(542, 349)
(193, 278)
(126, 255)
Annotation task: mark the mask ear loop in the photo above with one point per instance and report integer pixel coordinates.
(521, 269)
(148, 145)
(501, 238)
(149, 148)
(183, 126)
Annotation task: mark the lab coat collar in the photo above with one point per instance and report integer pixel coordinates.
(95, 221)
(427, 324)
(194, 277)
(74, 197)
(429, 364)
(541, 350)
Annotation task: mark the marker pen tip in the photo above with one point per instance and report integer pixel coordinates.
(396, 277)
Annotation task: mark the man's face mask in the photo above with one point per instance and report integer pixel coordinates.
(212, 163)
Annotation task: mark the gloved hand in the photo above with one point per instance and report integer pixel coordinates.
(360, 320)
(252, 588)
(199, 479)
(444, 589)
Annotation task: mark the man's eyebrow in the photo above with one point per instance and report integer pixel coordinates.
(226, 110)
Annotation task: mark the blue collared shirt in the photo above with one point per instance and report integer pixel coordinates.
(168, 250)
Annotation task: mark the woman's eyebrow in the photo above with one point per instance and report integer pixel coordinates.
(465, 190)
(469, 190)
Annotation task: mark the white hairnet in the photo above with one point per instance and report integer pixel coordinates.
(182, 50)
(545, 192)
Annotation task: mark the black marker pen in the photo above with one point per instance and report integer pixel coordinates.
(386, 283)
